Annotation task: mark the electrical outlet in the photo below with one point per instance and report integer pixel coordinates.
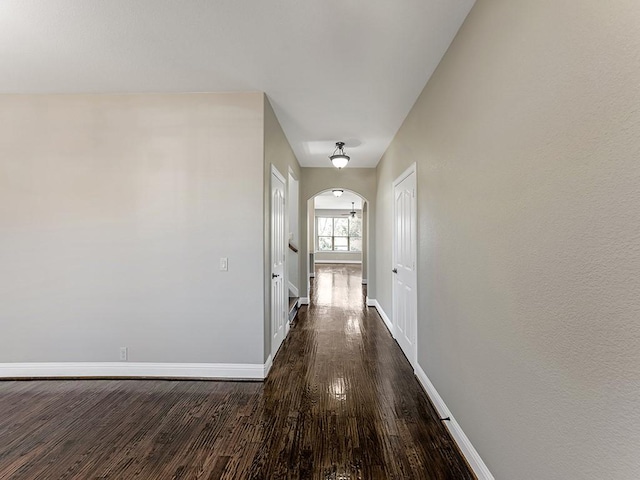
(224, 264)
(124, 354)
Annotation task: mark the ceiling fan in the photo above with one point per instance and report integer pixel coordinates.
(352, 213)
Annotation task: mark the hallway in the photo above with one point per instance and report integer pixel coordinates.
(359, 411)
(341, 402)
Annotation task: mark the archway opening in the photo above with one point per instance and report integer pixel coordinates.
(337, 231)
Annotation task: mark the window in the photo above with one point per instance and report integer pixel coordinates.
(339, 234)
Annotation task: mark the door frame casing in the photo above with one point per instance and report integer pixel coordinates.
(412, 169)
(292, 174)
(275, 172)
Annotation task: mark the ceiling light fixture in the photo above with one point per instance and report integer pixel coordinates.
(339, 158)
(337, 192)
(353, 212)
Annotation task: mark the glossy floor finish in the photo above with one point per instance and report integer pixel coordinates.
(341, 402)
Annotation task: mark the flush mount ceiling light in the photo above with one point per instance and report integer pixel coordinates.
(339, 158)
(337, 192)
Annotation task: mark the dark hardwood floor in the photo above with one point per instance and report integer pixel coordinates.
(341, 402)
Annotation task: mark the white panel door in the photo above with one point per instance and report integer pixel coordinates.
(279, 297)
(405, 319)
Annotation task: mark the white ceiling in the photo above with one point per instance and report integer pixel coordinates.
(334, 69)
(328, 201)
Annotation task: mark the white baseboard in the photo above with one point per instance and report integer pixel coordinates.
(372, 302)
(267, 366)
(473, 458)
(293, 289)
(337, 261)
(470, 453)
(303, 301)
(239, 371)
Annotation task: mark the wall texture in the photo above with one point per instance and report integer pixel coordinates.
(315, 180)
(277, 152)
(114, 212)
(527, 144)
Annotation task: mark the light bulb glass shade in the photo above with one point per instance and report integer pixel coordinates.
(339, 161)
(337, 192)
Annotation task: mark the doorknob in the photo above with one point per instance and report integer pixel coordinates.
(274, 275)
(395, 270)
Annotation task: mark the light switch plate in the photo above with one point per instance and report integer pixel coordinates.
(224, 264)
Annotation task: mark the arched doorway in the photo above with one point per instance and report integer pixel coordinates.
(338, 230)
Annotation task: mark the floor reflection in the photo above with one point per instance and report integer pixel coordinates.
(341, 401)
(338, 285)
(338, 388)
(352, 327)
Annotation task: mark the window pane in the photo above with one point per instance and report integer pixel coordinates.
(355, 227)
(341, 244)
(341, 227)
(324, 243)
(325, 227)
(356, 244)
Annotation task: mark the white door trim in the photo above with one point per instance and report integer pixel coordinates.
(292, 173)
(412, 169)
(276, 173)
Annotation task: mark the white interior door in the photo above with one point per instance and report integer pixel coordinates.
(279, 297)
(405, 318)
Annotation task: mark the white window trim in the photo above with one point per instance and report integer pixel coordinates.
(332, 251)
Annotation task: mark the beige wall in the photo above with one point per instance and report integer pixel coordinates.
(316, 180)
(527, 144)
(114, 213)
(277, 152)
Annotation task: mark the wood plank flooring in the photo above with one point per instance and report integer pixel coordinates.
(341, 402)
